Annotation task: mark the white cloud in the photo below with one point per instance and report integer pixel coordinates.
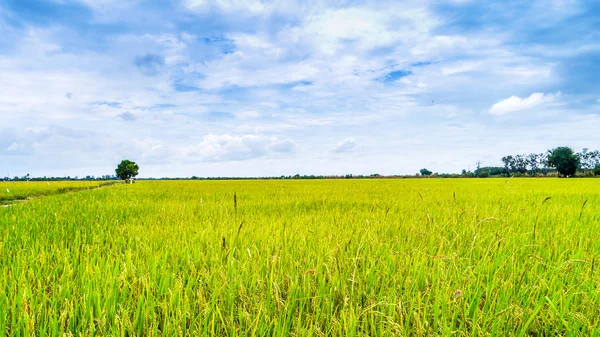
(18, 149)
(294, 69)
(216, 148)
(227, 6)
(514, 103)
(151, 150)
(283, 146)
(347, 145)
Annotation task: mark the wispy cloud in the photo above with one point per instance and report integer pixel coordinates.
(347, 145)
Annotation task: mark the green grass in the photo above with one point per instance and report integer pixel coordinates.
(514, 257)
(10, 191)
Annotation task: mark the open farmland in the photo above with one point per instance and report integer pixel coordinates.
(11, 191)
(308, 258)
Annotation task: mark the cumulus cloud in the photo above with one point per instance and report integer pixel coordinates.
(347, 145)
(514, 103)
(151, 150)
(26, 141)
(217, 148)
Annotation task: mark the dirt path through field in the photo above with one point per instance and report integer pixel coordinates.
(10, 202)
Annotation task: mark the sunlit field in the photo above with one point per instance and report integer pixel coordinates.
(22, 190)
(508, 257)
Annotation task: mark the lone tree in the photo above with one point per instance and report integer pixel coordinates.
(127, 170)
(425, 172)
(564, 159)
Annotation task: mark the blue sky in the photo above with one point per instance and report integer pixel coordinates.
(261, 88)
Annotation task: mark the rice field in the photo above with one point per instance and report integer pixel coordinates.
(10, 191)
(406, 257)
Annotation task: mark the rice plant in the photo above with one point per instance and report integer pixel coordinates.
(306, 258)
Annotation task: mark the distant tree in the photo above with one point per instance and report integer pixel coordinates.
(543, 160)
(586, 159)
(508, 162)
(491, 170)
(533, 163)
(594, 158)
(589, 159)
(425, 172)
(597, 170)
(482, 173)
(564, 159)
(127, 169)
(520, 163)
(467, 174)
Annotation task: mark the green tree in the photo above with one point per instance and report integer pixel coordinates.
(508, 162)
(597, 170)
(564, 160)
(482, 173)
(127, 169)
(425, 172)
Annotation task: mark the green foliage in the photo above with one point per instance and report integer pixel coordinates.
(564, 159)
(425, 172)
(482, 173)
(467, 174)
(597, 170)
(491, 171)
(127, 169)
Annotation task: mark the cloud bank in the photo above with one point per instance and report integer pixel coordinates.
(192, 87)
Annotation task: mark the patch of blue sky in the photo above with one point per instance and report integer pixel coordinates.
(395, 75)
(182, 87)
(217, 115)
(48, 12)
(149, 64)
(106, 103)
(227, 46)
(421, 64)
(163, 106)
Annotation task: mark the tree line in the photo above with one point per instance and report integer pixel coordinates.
(66, 178)
(561, 161)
